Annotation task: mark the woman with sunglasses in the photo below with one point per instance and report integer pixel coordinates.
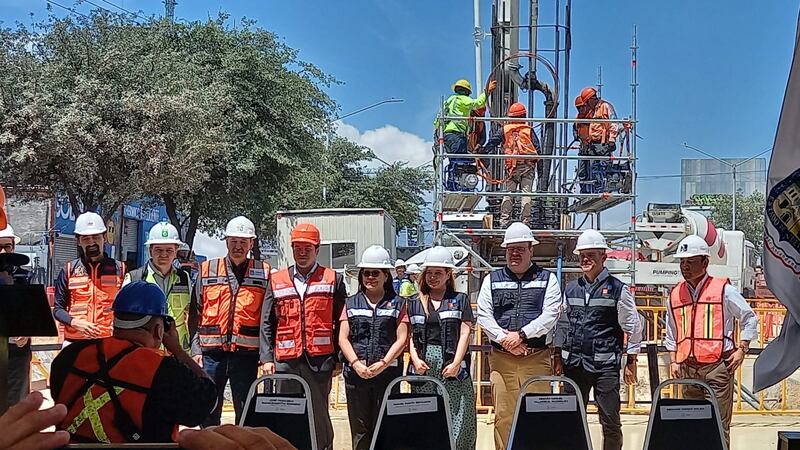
(372, 337)
(441, 322)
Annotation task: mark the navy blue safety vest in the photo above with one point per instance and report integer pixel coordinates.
(517, 301)
(449, 320)
(595, 337)
(372, 331)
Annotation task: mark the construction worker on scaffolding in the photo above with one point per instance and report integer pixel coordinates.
(596, 138)
(517, 138)
(700, 340)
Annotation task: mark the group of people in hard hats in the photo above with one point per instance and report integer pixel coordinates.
(517, 137)
(147, 351)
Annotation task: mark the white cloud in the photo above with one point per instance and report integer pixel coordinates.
(390, 144)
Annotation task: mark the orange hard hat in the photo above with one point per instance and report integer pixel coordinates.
(586, 94)
(517, 110)
(305, 232)
(3, 217)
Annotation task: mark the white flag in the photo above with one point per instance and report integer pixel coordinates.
(782, 238)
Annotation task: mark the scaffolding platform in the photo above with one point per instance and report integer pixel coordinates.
(460, 202)
(598, 204)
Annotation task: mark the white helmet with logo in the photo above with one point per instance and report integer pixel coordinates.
(163, 233)
(375, 257)
(240, 227)
(692, 246)
(518, 232)
(89, 223)
(591, 239)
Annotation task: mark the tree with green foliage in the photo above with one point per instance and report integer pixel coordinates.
(749, 213)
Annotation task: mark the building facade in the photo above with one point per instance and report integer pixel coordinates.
(709, 176)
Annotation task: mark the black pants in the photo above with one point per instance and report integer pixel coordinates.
(320, 383)
(364, 399)
(606, 395)
(241, 368)
(19, 374)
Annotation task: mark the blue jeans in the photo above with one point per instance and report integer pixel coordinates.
(241, 368)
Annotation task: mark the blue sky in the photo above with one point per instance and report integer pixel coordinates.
(711, 73)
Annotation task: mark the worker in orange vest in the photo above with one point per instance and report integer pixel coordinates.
(517, 138)
(86, 287)
(230, 294)
(597, 138)
(301, 326)
(700, 325)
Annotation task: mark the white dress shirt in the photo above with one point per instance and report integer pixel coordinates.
(301, 281)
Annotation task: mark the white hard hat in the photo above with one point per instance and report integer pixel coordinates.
(439, 257)
(518, 232)
(8, 232)
(413, 268)
(375, 257)
(692, 246)
(590, 239)
(163, 233)
(89, 223)
(399, 263)
(240, 227)
(184, 247)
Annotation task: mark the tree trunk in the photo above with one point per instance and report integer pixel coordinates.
(172, 213)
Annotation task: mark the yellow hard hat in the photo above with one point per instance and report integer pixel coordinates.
(462, 84)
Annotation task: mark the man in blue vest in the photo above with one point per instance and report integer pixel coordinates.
(518, 307)
(599, 313)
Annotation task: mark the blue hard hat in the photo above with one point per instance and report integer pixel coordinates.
(141, 297)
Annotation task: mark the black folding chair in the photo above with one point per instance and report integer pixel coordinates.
(549, 421)
(290, 416)
(684, 423)
(414, 421)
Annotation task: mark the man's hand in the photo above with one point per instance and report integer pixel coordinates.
(21, 341)
(491, 87)
(198, 359)
(558, 365)
(171, 340)
(674, 370)
(268, 368)
(512, 340)
(520, 350)
(735, 360)
(420, 366)
(23, 423)
(231, 437)
(88, 329)
(451, 370)
(630, 374)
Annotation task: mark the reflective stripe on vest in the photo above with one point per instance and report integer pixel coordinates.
(372, 335)
(307, 324)
(517, 300)
(231, 312)
(518, 141)
(91, 412)
(699, 326)
(91, 294)
(178, 299)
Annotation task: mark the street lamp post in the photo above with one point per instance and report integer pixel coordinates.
(352, 113)
(733, 167)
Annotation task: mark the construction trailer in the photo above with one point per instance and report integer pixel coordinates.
(470, 187)
(345, 234)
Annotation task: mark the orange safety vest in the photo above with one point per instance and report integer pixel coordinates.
(231, 313)
(105, 391)
(91, 294)
(699, 326)
(305, 324)
(518, 141)
(603, 132)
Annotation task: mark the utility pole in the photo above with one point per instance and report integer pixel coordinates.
(169, 9)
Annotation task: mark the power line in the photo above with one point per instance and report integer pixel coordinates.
(51, 2)
(655, 177)
(123, 9)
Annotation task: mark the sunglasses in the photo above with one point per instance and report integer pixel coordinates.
(371, 273)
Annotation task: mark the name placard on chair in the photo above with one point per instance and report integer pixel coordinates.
(283, 405)
(396, 407)
(551, 403)
(685, 412)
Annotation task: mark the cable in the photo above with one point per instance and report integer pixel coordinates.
(655, 177)
(123, 9)
(50, 2)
